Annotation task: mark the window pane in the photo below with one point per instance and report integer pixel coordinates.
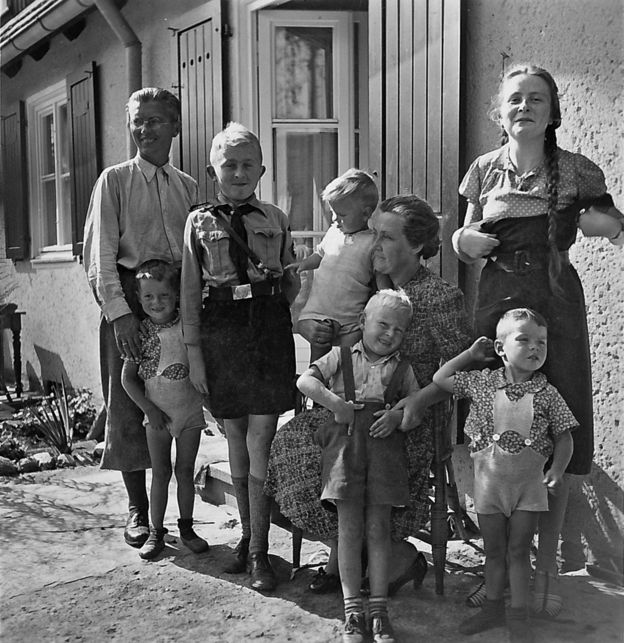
(49, 212)
(65, 218)
(305, 162)
(63, 138)
(47, 130)
(303, 72)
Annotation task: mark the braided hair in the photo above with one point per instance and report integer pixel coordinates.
(551, 160)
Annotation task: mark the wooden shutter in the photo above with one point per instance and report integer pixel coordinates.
(15, 183)
(199, 78)
(84, 148)
(414, 106)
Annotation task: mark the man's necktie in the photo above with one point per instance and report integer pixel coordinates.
(239, 257)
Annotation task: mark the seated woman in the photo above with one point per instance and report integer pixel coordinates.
(406, 235)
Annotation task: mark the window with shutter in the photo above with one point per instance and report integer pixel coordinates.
(84, 149)
(198, 52)
(15, 186)
(414, 54)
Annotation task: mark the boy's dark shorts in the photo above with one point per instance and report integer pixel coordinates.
(358, 466)
(249, 353)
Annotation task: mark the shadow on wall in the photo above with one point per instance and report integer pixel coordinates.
(591, 530)
(52, 369)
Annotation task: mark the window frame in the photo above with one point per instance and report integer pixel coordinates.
(38, 106)
(344, 98)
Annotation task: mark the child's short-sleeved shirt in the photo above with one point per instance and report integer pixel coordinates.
(493, 184)
(551, 415)
(371, 378)
(151, 349)
(343, 281)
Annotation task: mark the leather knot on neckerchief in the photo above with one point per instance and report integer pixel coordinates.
(239, 257)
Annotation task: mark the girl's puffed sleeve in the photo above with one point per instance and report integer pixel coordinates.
(589, 179)
(470, 187)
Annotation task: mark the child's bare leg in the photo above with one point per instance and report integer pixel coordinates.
(379, 547)
(260, 432)
(549, 527)
(494, 531)
(236, 434)
(186, 452)
(492, 614)
(522, 526)
(159, 445)
(350, 535)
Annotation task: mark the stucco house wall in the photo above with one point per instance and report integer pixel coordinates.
(580, 43)
(60, 326)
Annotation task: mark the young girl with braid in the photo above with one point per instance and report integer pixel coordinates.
(525, 203)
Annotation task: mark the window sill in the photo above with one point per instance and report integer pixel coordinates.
(49, 257)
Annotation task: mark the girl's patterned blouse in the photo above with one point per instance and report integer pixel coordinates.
(150, 352)
(551, 415)
(493, 185)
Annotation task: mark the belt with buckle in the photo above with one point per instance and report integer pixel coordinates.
(523, 261)
(244, 291)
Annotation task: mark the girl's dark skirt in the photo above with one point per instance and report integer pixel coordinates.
(249, 353)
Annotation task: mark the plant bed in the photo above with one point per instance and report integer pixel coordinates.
(42, 434)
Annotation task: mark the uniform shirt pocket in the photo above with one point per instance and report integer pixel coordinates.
(266, 242)
(216, 244)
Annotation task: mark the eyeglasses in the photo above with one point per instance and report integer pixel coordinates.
(152, 123)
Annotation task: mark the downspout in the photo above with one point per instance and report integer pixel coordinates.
(131, 42)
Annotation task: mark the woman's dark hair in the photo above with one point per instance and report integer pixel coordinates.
(420, 224)
(158, 270)
(158, 95)
(551, 158)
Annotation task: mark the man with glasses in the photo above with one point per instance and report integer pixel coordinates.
(137, 212)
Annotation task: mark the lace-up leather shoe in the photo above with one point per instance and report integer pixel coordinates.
(263, 577)
(137, 528)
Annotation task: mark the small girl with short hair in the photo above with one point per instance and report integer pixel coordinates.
(517, 420)
(159, 385)
(525, 203)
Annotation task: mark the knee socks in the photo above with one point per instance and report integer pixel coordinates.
(260, 516)
(353, 605)
(377, 606)
(241, 491)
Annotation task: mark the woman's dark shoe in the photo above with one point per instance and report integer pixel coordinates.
(263, 577)
(239, 562)
(416, 572)
(137, 527)
(323, 583)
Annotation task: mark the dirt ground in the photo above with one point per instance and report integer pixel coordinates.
(67, 575)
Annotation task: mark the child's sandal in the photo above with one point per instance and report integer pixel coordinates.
(477, 597)
(547, 603)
